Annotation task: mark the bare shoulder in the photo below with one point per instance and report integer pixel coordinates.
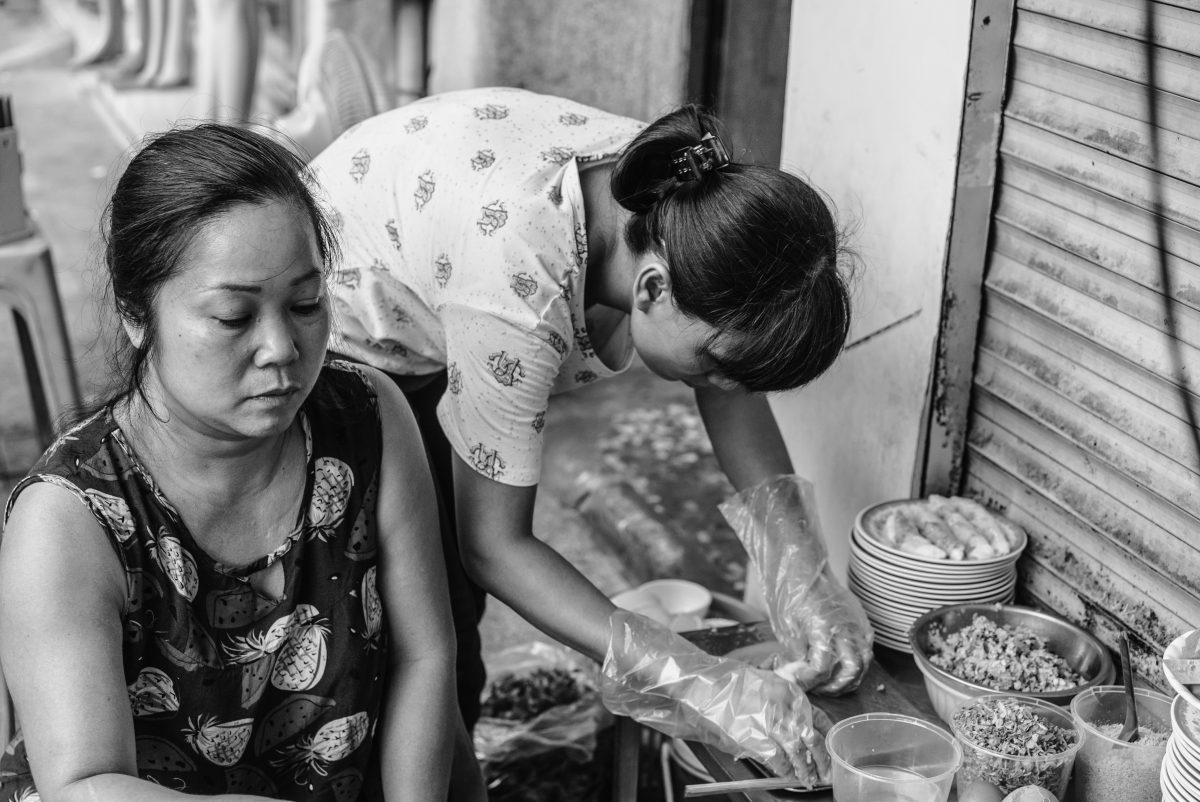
(393, 406)
(51, 534)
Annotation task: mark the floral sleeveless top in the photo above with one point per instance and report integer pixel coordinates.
(232, 691)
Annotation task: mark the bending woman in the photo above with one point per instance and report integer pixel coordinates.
(504, 246)
(226, 580)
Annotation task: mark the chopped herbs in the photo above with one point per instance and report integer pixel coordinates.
(1035, 751)
(522, 697)
(1011, 728)
(1002, 657)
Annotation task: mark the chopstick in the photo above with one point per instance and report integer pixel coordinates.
(757, 784)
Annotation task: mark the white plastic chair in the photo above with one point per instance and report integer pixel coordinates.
(28, 287)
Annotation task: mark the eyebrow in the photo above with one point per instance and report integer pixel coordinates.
(257, 288)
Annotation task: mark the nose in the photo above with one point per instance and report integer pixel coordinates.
(276, 343)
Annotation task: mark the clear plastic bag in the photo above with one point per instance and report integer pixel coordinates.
(662, 680)
(821, 626)
(571, 726)
(530, 747)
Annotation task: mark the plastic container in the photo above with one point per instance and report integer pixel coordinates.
(1010, 772)
(1110, 770)
(888, 756)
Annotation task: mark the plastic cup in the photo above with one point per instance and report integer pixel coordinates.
(1010, 772)
(887, 756)
(1110, 770)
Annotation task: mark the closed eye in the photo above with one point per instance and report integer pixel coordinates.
(310, 308)
(233, 322)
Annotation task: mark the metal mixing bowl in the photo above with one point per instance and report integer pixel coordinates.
(1082, 651)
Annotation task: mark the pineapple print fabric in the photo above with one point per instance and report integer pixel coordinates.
(231, 691)
(464, 238)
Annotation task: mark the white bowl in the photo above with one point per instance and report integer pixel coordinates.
(636, 600)
(679, 596)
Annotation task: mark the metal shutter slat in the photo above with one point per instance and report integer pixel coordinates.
(1086, 557)
(1093, 392)
(1097, 210)
(1099, 171)
(1106, 52)
(1117, 135)
(1085, 489)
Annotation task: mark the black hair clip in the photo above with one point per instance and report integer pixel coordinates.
(692, 162)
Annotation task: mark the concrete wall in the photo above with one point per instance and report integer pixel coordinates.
(873, 113)
(625, 56)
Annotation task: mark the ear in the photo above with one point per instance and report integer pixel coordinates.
(135, 333)
(652, 285)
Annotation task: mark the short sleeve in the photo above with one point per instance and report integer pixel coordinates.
(499, 377)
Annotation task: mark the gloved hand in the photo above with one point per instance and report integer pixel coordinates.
(663, 681)
(821, 625)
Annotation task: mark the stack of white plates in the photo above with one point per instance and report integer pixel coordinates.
(1180, 773)
(896, 587)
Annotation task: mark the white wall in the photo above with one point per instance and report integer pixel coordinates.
(873, 114)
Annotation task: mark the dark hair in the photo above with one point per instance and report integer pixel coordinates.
(178, 182)
(753, 251)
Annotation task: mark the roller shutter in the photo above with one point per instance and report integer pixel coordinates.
(1076, 425)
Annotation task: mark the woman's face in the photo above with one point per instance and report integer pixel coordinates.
(669, 342)
(242, 326)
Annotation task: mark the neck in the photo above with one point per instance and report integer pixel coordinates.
(610, 262)
(179, 454)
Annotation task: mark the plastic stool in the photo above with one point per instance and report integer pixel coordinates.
(27, 285)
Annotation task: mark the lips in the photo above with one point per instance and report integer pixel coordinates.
(278, 392)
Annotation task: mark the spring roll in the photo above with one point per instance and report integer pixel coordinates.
(975, 542)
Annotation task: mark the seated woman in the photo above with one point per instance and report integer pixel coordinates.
(227, 578)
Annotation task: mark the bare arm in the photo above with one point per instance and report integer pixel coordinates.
(421, 714)
(61, 595)
(745, 437)
(500, 552)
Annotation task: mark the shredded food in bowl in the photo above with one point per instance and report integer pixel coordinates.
(1001, 656)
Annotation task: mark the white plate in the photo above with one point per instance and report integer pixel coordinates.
(866, 522)
(918, 573)
(945, 572)
(1167, 785)
(1182, 763)
(1185, 726)
(1184, 771)
(1170, 790)
(872, 575)
(1183, 785)
(1186, 645)
(913, 608)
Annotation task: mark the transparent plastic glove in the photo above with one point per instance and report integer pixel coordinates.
(663, 681)
(821, 625)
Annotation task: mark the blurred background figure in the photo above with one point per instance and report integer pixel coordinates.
(168, 56)
(132, 56)
(101, 40)
(228, 43)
